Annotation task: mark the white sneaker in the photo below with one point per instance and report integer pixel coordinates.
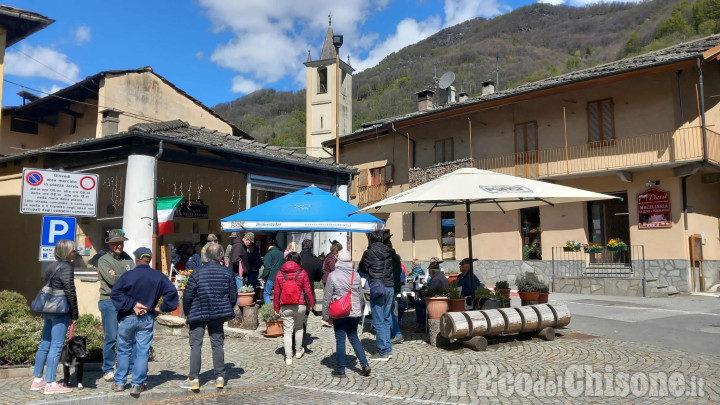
(109, 376)
(299, 354)
(288, 361)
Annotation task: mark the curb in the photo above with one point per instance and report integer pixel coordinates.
(27, 371)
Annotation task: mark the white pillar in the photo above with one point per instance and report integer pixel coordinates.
(139, 206)
(323, 240)
(248, 195)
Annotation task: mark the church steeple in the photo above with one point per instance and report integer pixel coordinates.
(328, 49)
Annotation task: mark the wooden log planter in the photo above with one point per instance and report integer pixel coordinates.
(539, 319)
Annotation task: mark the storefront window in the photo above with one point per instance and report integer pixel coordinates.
(447, 225)
(531, 232)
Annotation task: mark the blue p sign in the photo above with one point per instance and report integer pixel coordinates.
(56, 228)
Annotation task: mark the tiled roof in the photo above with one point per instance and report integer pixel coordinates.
(682, 52)
(19, 24)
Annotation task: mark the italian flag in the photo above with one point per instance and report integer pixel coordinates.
(165, 211)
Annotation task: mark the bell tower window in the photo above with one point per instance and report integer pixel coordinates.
(322, 80)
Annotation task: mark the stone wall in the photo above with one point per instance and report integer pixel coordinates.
(671, 272)
(419, 176)
(624, 287)
(711, 269)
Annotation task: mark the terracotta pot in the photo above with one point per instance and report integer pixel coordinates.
(246, 299)
(436, 306)
(456, 305)
(505, 292)
(543, 298)
(452, 277)
(274, 328)
(529, 296)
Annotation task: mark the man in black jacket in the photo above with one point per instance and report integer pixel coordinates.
(377, 263)
(208, 301)
(310, 262)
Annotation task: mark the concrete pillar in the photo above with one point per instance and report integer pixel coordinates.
(110, 122)
(139, 206)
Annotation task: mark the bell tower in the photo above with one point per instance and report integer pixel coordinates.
(328, 95)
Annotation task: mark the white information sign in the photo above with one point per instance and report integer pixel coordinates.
(59, 193)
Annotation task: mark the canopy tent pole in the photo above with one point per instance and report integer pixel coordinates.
(469, 236)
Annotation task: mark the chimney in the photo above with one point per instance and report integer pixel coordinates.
(425, 99)
(451, 95)
(488, 87)
(462, 96)
(110, 121)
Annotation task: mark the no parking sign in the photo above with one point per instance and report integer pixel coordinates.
(58, 192)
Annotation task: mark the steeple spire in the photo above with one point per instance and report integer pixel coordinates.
(330, 19)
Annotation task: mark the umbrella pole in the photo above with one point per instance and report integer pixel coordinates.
(469, 230)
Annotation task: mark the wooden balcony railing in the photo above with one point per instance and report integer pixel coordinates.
(369, 195)
(682, 145)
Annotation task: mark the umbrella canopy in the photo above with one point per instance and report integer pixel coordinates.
(309, 209)
(483, 190)
(472, 189)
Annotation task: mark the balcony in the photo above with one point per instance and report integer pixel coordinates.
(658, 149)
(368, 195)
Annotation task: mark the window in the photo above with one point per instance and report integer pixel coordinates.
(444, 150)
(379, 175)
(353, 186)
(531, 233)
(526, 141)
(447, 226)
(601, 121)
(321, 122)
(322, 80)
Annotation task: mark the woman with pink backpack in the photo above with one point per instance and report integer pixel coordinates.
(292, 293)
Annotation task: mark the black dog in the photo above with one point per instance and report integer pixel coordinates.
(73, 355)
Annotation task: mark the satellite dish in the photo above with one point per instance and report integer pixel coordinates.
(446, 80)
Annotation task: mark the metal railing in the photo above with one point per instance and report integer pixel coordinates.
(681, 145)
(368, 195)
(601, 263)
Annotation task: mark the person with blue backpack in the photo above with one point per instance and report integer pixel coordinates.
(293, 294)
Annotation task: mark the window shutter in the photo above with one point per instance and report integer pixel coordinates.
(388, 173)
(363, 178)
(531, 137)
(607, 121)
(519, 139)
(593, 115)
(353, 186)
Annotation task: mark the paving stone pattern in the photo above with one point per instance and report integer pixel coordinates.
(418, 373)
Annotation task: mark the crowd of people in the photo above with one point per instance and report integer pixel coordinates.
(132, 294)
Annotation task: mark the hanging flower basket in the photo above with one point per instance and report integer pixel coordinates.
(618, 249)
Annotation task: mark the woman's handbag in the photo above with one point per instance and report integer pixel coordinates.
(340, 308)
(50, 300)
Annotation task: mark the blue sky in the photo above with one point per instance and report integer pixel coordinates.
(219, 50)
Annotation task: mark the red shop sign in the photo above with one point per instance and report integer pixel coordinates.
(654, 209)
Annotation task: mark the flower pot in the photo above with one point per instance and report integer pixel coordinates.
(452, 277)
(529, 296)
(593, 250)
(490, 303)
(456, 305)
(436, 306)
(505, 292)
(274, 328)
(569, 249)
(618, 249)
(543, 298)
(246, 299)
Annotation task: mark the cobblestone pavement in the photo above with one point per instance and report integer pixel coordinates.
(587, 369)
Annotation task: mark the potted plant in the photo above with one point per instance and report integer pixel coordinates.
(592, 247)
(456, 302)
(452, 275)
(528, 288)
(437, 302)
(246, 296)
(544, 292)
(572, 246)
(488, 299)
(503, 287)
(272, 321)
(616, 245)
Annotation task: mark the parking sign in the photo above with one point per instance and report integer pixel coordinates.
(54, 229)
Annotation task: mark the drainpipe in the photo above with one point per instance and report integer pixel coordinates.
(156, 251)
(702, 113)
(683, 181)
(412, 215)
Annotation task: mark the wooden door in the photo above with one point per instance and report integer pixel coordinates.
(526, 149)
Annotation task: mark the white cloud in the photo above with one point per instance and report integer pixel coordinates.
(40, 61)
(54, 88)
(244, 86)
(82, 35)
(581, 3)
(457, 11)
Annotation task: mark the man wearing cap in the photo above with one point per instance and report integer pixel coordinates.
(111, 266)
(464, 280)
(228, 250)
(239, 256)
(135, 296)
(210, 240)
(437, 275)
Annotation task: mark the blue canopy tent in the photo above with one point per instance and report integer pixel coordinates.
(309, 209)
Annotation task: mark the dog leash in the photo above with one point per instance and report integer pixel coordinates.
(72, 326)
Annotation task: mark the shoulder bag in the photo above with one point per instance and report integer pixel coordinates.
(340, 308)
(50, 300)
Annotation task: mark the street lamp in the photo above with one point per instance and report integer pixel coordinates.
(337, 41)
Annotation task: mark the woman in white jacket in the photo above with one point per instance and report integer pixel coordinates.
(338, 284)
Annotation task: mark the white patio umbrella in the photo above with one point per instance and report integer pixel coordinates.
(470, 189)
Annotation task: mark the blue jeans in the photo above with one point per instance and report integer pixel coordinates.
(138, 329)
(51, 344)
(401, 306)
(347, 327)
(252, 278)
(238, 284)
(420, 309)
(381, 308)
(267, 294)
(110, 327)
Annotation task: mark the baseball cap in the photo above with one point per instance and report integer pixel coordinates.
(142, 252)
(466, 260)
(116, 235)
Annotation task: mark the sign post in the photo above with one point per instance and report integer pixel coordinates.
(54, 229)
(59, 193)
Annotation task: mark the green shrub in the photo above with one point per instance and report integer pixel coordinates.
(502, 285)
(12, 306)
(91, 327)
(267, 313)
(19, 340)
